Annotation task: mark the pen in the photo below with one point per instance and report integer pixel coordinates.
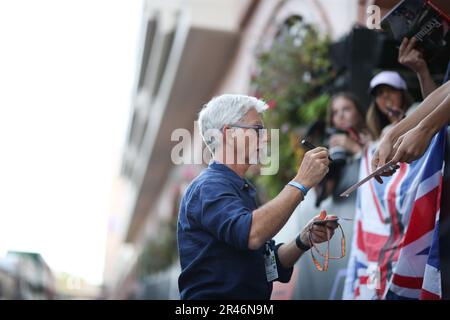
(310, 146)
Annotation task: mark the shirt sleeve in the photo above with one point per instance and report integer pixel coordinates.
(284, 274)
(225, 215)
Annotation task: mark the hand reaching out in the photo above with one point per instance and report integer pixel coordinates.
(411, 57)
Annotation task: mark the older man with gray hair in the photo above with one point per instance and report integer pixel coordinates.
(224, 240)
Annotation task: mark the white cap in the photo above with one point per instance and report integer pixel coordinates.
(390, 78)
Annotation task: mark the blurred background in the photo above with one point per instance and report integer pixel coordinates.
(90, 92)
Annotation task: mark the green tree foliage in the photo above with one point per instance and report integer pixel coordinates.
(291, 76)
(160, 251)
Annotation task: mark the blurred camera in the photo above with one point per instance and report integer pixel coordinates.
(337, 153)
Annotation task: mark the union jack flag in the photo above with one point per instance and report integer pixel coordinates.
(395, 247)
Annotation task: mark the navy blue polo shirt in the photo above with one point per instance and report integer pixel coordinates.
(213, 228)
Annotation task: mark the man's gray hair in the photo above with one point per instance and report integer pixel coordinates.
(223, 110)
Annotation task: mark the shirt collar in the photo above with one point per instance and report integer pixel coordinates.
(242, 183)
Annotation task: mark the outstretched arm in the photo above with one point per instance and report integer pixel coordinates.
(270, 218)
(412, 145)
(386, 151)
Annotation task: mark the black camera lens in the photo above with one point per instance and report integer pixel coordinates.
(338, 154)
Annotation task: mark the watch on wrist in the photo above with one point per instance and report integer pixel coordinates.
(299, 243)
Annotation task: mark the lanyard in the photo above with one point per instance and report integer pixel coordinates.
(326, 256)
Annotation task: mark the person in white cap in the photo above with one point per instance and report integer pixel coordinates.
(390, 102)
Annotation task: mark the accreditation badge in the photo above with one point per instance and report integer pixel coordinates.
(270, 262)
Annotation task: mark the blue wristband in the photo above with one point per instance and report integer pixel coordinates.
(299, 186)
